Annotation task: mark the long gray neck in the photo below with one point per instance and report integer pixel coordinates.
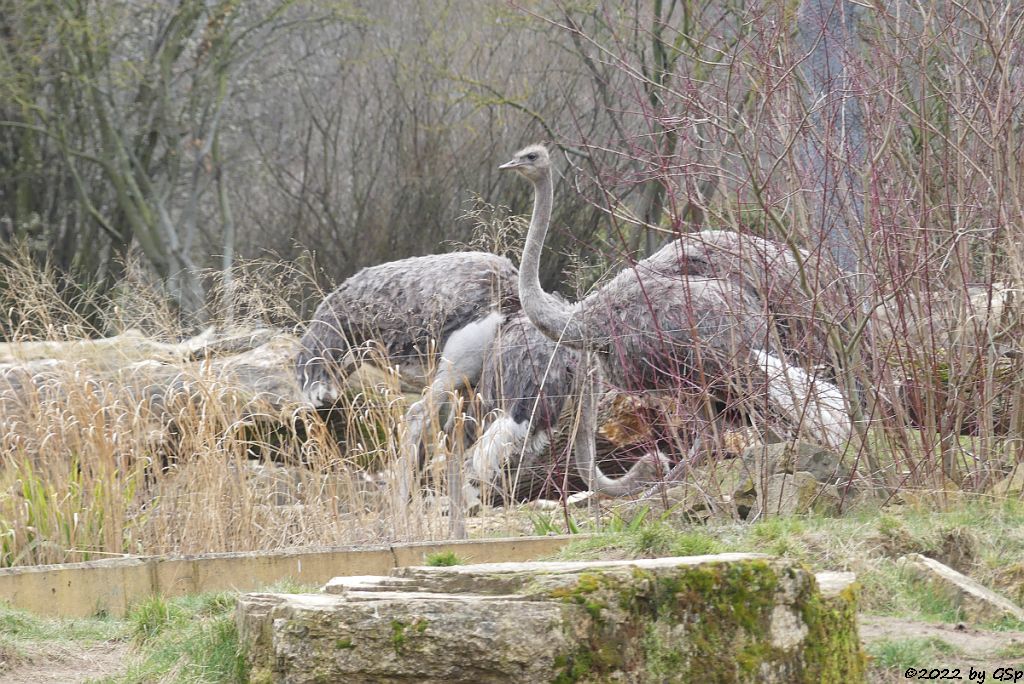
(552, 316)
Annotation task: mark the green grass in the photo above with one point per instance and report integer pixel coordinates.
(1014, 651)
(981, 536)
(903, 653)
(22, 633)
(193, 637)
(188, 639)
(443, 559)
(552, 522)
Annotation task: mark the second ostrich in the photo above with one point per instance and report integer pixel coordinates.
(657, 327)
(439, 310)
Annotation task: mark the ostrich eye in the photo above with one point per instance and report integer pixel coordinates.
(532, 156)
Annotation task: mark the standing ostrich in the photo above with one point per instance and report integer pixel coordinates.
(440, 310)
(655, 325)
(525, 385)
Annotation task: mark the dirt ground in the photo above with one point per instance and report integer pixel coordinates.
(976, 644)
(67, 664)
(979, 648)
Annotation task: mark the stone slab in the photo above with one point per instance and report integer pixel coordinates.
(725, 618)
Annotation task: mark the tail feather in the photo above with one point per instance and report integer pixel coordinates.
(813, 404)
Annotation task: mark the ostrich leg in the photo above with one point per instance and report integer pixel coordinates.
(462, 361)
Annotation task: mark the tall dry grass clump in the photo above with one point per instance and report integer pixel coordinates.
(118, 441)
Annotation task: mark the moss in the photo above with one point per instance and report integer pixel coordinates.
(832, 650)
(399, 631)
(398, 635)
(709, 623)
(344, 644)
(726, 609)
(582, 593)
(573, 668)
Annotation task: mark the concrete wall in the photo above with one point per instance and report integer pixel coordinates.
(113, 586)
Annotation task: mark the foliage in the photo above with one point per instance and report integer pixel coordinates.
(443, 559)
(193, 639)
(903, 653)
(981, 538)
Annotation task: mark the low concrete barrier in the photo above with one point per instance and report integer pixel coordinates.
(113, 586)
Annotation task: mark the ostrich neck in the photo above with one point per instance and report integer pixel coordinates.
(552, 316)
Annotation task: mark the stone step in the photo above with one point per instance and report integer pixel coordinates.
(724, 618)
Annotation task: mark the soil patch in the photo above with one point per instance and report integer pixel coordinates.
(66, 664)
(975, 644)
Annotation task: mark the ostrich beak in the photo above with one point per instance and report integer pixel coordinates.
(510, 164)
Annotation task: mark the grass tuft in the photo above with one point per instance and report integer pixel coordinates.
(904, 653)
(187, 639)
(443, 559)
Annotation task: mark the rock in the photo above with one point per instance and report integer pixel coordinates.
(737, 496)
(1012, 485)
(731, 617)
(801, 492)
(977, 602)
(723, 489)
(796, 456)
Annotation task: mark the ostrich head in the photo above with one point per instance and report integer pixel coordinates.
(532, 162)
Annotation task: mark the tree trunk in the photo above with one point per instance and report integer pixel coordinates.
(835, 146)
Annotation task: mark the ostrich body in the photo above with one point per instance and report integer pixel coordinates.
(418, 313)
(773, 273)
(409, 309)
(524, 387)
(656, 326)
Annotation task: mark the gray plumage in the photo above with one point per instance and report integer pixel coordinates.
(408, 309)
(654, 329)
(526, 375)
(656, 326)
(524, 389)
(772, 273)
(527, 393)
(437, 312)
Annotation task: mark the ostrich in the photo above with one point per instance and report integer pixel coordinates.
(403, 308)
(657, 324)
(525, 385)
(773, 272)
(525, 382)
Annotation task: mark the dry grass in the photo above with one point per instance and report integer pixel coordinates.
(134, 447)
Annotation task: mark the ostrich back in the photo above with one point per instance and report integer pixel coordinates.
(658, 331)
(771, 273)
(404, 305)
